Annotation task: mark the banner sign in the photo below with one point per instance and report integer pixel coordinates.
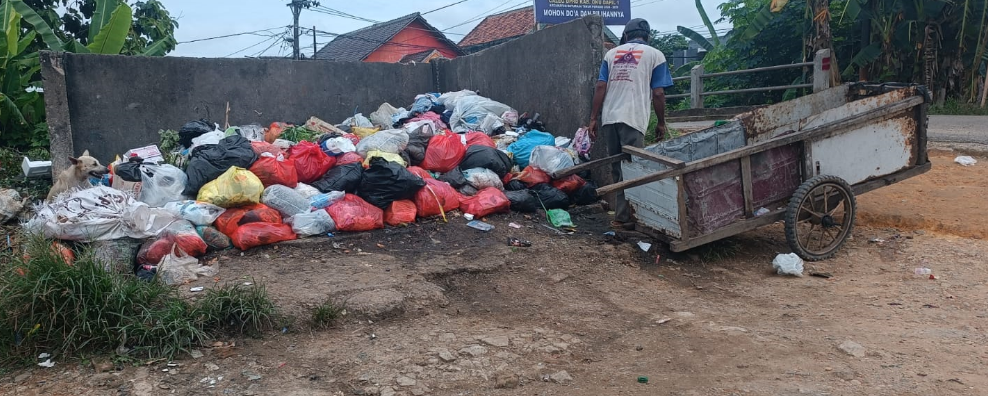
(614, 12)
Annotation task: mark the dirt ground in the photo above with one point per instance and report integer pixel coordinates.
(441, 309)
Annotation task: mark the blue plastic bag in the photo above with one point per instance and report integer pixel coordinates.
(522, 149)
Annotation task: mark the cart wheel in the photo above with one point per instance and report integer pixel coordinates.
(820, 217)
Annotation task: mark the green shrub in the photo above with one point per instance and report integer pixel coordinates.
(327, 313)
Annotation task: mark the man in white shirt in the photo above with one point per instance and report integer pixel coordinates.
(632, 75)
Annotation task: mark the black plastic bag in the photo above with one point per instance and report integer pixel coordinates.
(488, 158)
(454, 177)
(515, 185)
(523, 201)
(550, 197)
(468, 190)
(417, 144)
(341, 178)
(192, 130)
(586, 195)
(385, 182)
(210, 161)
(129, 171)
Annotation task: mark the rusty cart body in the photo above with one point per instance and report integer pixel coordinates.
(801, 161)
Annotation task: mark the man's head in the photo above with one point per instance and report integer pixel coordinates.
(636, 29)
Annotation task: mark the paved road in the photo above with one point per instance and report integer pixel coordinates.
(953, 129)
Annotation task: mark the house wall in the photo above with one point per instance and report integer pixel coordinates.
(414, 38)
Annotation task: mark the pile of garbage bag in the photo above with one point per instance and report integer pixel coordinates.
(249, 186)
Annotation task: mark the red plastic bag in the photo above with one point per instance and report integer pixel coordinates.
(479, 139)
(531, 176)
(274, 131)
(488, 201)
(436, 198)
(310, 162)
(271, 172)
(569, 184)
(420, 172)
(444, 153)
(260, 234)
(181, 233)
(353, 138)
(400, 212)
(349, 158)
(355, 215)
(265, 147)
(228, 222)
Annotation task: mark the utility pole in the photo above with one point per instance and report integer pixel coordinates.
(314, 44)
(296, 6)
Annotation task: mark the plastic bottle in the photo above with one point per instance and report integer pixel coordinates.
(923, 271)
(480, 225)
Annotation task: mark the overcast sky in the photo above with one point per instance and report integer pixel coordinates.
(200, 19)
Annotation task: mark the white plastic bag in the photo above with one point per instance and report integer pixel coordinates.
(177, 268)
(965, 160)
(358, 120)
(392, 141)
(285, 200)
(338, 146)
(471, 111)
(213, 137)
(307, 191)
(382, 117)
(98, 214)
(788, 264)
(161, 184)
(199, 213)
(450, 99)
(253, 132)
(481, 178)
(551, 159)
(316, 222)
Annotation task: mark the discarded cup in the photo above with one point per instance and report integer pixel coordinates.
(480, 225)
(923, 271)
(468, 216)
(518, 242)
(610, 233)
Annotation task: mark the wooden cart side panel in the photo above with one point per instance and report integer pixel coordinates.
(655, 204)
(875, 150)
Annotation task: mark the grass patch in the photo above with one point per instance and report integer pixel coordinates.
(953, 107)
(78, 309)
(327, 313)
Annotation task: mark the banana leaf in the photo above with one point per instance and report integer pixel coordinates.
(111, 38)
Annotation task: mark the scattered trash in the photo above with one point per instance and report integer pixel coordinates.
(196, 289)
(610, 233)
(480, 225)
(468, 216)
(642, 379)
(518, 242)
(47, 364)
(44, 355)
(825, 275)
(788, 264)
(922, 271)
(762, 212)
(513, 225)
(559, 218)
(663, 321)
(645, 246)
(965, 160)
(876, 240)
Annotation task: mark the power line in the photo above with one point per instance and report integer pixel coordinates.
(484, 14)
(445, 6)
(282, 36)
(269, 38)
(230, 35)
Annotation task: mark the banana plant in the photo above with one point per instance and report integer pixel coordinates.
(18, 106)
(703, 42)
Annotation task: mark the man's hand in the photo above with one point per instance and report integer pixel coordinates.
(660, 132)
(592, 129)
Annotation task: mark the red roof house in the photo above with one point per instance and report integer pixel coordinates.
(406, 39)
(509, 25)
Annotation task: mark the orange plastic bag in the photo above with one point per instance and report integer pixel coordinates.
(260, 234)
(479, 139)
(229, 221)
(569, 184)
(274, 131)
(271, 172)
(400, 212)
(444, 153)
(310, 162)
(436, 198)
(487, 202)
(349, 158)
(420, 172)
(531, 176)
(354, 214)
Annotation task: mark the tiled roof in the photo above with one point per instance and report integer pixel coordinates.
(507, 24)
(358, 44)
(417, 57)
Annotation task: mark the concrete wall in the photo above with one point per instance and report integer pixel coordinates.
(114, 103)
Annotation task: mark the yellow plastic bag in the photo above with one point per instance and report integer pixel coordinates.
(236, 187)
(362, 132)
(387, 156)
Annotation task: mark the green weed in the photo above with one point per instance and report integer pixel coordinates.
(327, 313)
(236, 308)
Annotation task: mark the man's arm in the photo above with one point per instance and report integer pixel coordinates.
(599, 93)
(659, 105)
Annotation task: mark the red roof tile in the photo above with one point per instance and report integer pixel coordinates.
(501, 26)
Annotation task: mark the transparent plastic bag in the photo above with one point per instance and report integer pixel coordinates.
(199, 213)
(391, 141)
(161, 184)
(481, 178)
(177, 268)
(306, 190)
(316, 222)
(470, 112)
(323, 201)
(788, 264)
(285, 200)
(358, 120)
(551, 159)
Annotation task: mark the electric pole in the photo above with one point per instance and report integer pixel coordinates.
(314, 44)
(296, 6)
